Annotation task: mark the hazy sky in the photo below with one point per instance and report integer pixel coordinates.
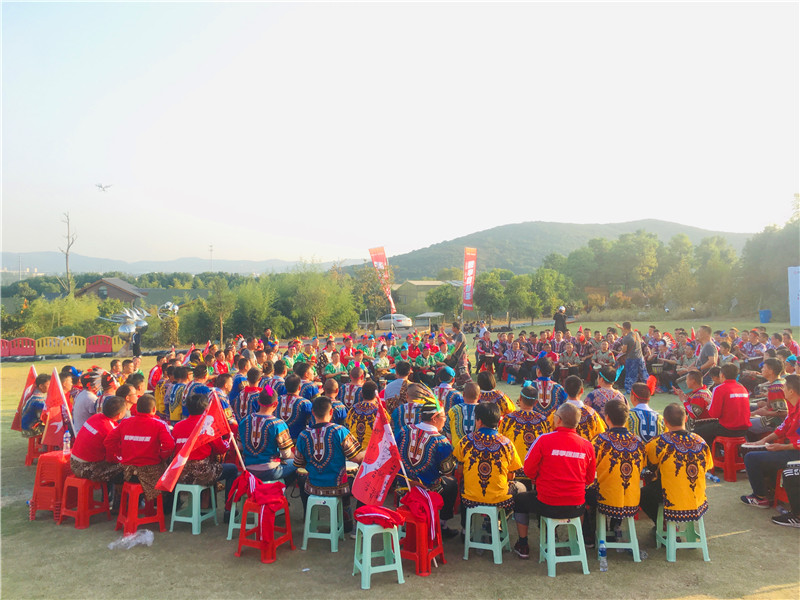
(321, 130)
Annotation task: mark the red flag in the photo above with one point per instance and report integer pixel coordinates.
(207, 348)
(213, 425)
(51, 415)
(378, 256)
(188, 356)
(470, 263)
(30, 385)
(381, 464)
(693, 334)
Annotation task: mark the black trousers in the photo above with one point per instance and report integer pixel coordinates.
(526, 503)
(710, 431)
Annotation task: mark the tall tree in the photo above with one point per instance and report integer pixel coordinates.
(634, 258)
(221, 303)
(489, 294)
(368, 291)
(450, 274)
(444, 299)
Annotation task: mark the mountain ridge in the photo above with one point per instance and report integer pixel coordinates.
(498, 247)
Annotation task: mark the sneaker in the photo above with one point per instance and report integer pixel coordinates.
(787, 520)
(352, 535)
(757, 502)
(522, 550)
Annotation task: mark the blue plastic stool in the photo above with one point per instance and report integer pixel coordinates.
(362, 559)
(500, 539)
(548, 544)
(193, 513)
(335, 519)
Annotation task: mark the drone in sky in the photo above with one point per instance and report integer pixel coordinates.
(103, 188)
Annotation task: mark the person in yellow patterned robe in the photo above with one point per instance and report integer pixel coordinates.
(361, 416)
(524, 425)
(591, 423)
(620, 458)
(489, 393)
(681, 460)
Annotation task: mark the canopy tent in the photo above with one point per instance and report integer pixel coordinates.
(429, 316)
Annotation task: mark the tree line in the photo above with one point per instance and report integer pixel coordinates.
(634, 271)
(637, 271)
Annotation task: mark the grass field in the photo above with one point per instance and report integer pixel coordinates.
(751, 558)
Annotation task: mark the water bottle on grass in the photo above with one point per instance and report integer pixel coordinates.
(601, 554)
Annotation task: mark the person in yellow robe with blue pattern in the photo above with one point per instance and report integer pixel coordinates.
(489, 393)
(591, 424)
(361, 416)
(524, 425)
(681, 459)
(488, 461)
(619, 457)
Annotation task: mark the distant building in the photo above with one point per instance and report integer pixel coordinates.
(114, 288)
(119, 289)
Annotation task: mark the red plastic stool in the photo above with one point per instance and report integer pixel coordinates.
(51, 471)
(416, 545)
(780, 491)
(129, 518)
(35, 450)
(81, 505)
(268, 545)
(725, 452)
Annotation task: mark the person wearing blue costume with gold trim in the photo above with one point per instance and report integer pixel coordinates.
(428, 459)
(323, 451)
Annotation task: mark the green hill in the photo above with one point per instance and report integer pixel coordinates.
(521, 247)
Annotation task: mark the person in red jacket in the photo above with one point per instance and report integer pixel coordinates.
(143, 444)
(782, 446)
(730, 404)
(561, 465)
(202, 468)
(89, 457)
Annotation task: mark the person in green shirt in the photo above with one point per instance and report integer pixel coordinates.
(290, 357)
(334, 369)
(425, 364)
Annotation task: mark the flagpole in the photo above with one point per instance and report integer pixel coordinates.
(238, 452)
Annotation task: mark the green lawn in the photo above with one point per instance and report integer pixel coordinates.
(751, 558)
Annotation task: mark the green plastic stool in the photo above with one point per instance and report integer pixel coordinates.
(236, 509)
(362, 560)
(335, 519)
(548, 544)
(193, 513)
(694, 532)
(235, 525)
(500, 539)
(632, 545)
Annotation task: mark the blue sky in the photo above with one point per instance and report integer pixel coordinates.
(321, 130)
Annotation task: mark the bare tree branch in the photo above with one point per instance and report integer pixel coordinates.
(69, 284)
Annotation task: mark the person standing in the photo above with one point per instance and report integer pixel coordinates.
(708, 353)
(631, 349)
(560, 320)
